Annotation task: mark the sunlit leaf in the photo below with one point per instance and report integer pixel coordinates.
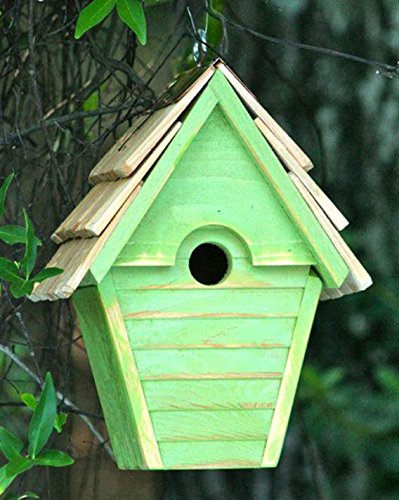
(29, 400)
(95, 12)
(9, 271)
(54, 458)
(22, 288)
(10, 445)
(3, 192)
(131, 12)
(29, 260)
(60, 421)
(13, 469)
(49, 272)
(42, 422)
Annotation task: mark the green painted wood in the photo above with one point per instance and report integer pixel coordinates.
(153, 185)
(211, 394)
(116, 378)
(227, 191)
(210, 301)
(292, 371)
(330, 264)
(241, 275)
(212, 454)
(210, 363)
(111, 387)
(218, 91)
(229, 425)
(210, 333)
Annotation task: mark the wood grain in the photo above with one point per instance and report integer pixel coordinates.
(174, 364)
(209, 333)
(329, 263)
(208, 425)
(338, 219)
(292, 371)
(211, 394)
(76, 257)
(116, 375)
(358, 278)
(212, 454)
(127, 157)
(278, 132)
(97, 209)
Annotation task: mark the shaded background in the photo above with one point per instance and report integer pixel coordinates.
(63, 103)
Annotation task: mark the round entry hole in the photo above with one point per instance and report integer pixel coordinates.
(208, 264)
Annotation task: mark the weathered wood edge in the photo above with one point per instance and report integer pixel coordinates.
(82, 222)
(334, 214)
(358, 278)
(292, 371)
(330, 264)
(250, 100)
(145, 432)
(153, 185)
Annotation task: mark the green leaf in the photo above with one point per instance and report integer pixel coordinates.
(10, 445)
(29, 400)
(12, 234)
(95, 12)
(3, 192)
(49, 272)
(60, 421)
(29, 260)
(54, 458)
(42, 422)
(21, 289)
(131, 12)
(13, 469)
(9, 271)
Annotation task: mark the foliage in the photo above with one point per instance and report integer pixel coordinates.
(44, 419)
(130, 12)
(18, 273)
(342, 440)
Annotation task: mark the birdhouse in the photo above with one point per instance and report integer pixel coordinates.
(195, 265)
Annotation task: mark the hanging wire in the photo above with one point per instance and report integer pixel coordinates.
(383, 69)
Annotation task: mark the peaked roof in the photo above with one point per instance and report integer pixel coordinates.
(94, 233)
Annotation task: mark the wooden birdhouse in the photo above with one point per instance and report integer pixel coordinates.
(195, 265)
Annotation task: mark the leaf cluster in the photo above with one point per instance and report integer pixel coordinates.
(44, 419)
(18, 274)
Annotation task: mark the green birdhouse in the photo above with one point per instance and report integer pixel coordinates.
(195, 265)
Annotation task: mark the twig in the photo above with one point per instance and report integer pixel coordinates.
(384, 69)
(8, 352)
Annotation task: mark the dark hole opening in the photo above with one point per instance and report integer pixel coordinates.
(208, 264)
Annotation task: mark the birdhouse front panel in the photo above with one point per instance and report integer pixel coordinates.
(210, 287)
(203, 264)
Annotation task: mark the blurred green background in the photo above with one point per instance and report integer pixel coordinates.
(343, 438)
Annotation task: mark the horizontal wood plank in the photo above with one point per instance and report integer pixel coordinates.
(156, 303)
(211, 425)
(210, 333)
(212, 454)
(242, 275)
(175, 364)
(211, 394)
